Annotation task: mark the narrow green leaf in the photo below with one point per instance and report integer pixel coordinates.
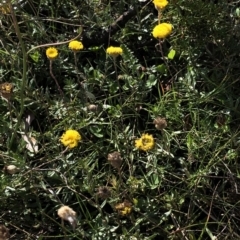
(171, 54)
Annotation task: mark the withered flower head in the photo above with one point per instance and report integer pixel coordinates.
(115, 159)
(160, 123)
(92, 107)
(4, 233)
(67, 213)
(103, 192)
(11, 169)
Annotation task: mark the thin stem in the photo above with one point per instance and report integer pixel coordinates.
(78, 73)
(161, 51)
(76, 68)
(51, 73)
(159, 16)
(115, 67)
(63, 228)
(120, 178)
(24, 72)
(167, 65)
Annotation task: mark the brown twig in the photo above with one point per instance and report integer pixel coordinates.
(102, 36)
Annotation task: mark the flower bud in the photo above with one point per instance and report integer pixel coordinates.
(92, 107)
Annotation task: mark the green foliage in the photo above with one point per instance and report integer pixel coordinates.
(187, 187)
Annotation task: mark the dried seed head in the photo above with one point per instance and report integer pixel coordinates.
(92, 107)
(115, 159)
(221, 120)
(11, 169)
(67, 213)
(142, 69)
(103, 192)
(4, 233)
(160, 123)
(121, 77)
(138, 108)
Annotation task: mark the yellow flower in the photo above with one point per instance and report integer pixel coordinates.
(125, 211)
(145, 143)
(114, 51)
(162, 30)
(75, 45)
(5, 9)
(160, 4)
(52, 53)
(124, 208)
(70, 138)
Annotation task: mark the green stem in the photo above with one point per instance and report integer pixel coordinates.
(119, 86)
(24, 72)
(159, 16)
(52, 75)
(77, 70)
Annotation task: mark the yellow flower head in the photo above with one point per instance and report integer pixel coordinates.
(114, 51)
(145, 143)
(160, 4)
(125, 211)
(70, 138)
(124, 208)
(162, 30)
(5, 9)
(75, 45)
(52, 53)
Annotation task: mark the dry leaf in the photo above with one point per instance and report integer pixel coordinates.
(32, 144)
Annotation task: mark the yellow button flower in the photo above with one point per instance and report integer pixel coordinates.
(52, 53)
(5, 9)
(125, 211)
(70, 138)
(145, 143)
(114, 51)
(75, 45)
(124, 208)
(162, 30)
(160, 4)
